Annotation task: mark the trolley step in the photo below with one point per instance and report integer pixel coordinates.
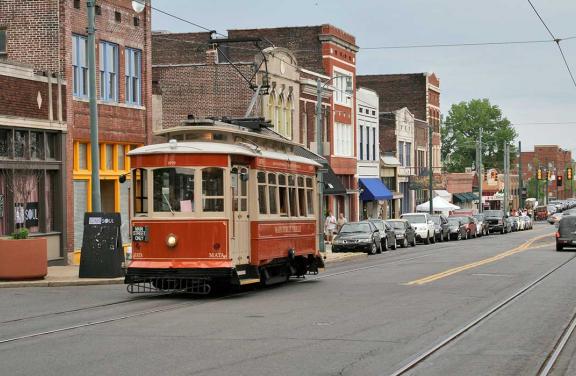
(249, 281)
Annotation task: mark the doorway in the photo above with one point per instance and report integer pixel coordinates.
(107, 194)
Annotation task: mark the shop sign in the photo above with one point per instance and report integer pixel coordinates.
(26, 215)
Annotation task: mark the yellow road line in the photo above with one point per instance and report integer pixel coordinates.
(476, 264)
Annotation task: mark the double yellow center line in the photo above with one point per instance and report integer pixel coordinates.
(476, 264)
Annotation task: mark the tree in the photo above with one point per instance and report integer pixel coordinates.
(460, 134)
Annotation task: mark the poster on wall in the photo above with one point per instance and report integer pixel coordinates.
(26, 216)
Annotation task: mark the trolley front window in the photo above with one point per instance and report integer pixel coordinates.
(213, 189)
(174, 190)
(139, 179)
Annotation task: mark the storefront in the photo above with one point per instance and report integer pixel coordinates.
(373, 194)
(114, 163)
(32, 185)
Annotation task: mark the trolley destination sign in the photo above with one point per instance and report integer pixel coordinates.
(140, 233)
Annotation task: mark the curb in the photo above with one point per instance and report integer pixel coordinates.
(89, 282)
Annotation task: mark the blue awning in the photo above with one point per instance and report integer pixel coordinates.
(374, 190)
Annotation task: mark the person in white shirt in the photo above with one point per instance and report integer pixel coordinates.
(330, 227)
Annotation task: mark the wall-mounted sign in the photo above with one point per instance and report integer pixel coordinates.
(31, 214)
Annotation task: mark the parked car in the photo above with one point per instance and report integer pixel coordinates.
(566, 234)
(570, 212)
(457, 228)
(497, 221)
(405, 233)
(529, 222)
(482, 224)
(515, 223)
(423, 225)
(522, 223)
(441, 228)
(541, 213)
(387, 234)
(555, 218)
(470, 224)
(358, 237)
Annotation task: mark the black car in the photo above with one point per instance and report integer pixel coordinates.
(482, 224)
(405, 234)
(497, 221)
(458, 230)
(441, 228)
(387, 234)
(358, 237)
(566, 234)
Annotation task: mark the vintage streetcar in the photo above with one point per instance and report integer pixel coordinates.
(223, 203)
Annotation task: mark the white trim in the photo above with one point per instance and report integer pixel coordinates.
(336, 59)
(15, 121)
(108, 103)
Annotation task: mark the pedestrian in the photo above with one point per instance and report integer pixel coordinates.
(330, 227)
(341, 221)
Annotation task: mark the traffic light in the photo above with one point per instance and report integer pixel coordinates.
(558, 180)
(539, 174)
(569, 173)
(549, 175)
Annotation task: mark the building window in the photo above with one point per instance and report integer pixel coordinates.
(109, 152)
(374, 144)
(50, 145)
(289, 113)
(341, 96)
(361, 156)
(280, 115)
(109, 71)
(271, 108)
(401, 153)
(36, 145)
(408, 154)
(82, 156)
(21, 144)
(343, 140)
(133, 69)
(5, 143)
(121, 158)
(3, 48)
(79, 66)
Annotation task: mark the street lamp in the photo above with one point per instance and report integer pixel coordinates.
(138, 6)
(319, 150)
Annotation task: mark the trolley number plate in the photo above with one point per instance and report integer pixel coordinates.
(140, 233)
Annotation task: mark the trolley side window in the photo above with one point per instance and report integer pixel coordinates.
(173, 190)
(272, 191)
(292, 197)
(262, 196)
(139, 181)
(212, 189)
(283, 195)
(309, 196)
(302, 197)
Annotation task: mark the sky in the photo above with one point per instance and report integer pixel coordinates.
(529, 82)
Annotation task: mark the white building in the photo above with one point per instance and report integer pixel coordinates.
(373, 193)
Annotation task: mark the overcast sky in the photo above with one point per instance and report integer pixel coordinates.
(529, 82)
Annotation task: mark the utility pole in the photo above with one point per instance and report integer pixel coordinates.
(506, 182)
(520, 177)
(320, 152)
(430, 172)
(479, 169)
(94, 145)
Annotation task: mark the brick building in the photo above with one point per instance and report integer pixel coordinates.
(32, 135)
(318, 52)
(51, 36)
(549, 158)
(419, 92)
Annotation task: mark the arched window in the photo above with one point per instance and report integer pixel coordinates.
(279, 126)
(289, 113)
(271, 107)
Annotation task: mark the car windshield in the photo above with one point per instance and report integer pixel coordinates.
(436, 220)
(415, 218)
(567, 224)
(397, 225)
(378, 224)
(493, 213)
(454, 221)
(350, 228)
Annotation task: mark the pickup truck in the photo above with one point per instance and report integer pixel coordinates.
(497, 221)
(423, 226)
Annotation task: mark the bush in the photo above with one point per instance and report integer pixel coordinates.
(21, 233)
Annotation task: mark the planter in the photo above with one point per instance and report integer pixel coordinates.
(23, 258)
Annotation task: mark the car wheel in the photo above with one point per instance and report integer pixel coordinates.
(459, 236)
(466, 236)
(394, 244)
(373, 249)
(559, 248)
(433, 238)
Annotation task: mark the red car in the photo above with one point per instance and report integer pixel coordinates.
(470, 224)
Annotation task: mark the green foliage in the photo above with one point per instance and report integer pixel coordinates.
(460, 134)
(21, 233)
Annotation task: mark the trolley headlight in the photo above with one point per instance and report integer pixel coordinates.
(171, 240)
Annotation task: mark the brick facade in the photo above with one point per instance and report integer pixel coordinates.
(40, 32)
(548, 157)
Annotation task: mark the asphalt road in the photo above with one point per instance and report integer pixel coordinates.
(370, 317)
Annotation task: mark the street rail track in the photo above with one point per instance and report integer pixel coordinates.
(421, 357)
(554, 355)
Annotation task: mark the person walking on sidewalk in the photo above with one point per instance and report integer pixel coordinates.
(340, 222)
(330, 227)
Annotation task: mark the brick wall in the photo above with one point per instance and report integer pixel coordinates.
(19, 97)
(388, 140)
(204, 90)
(180, 48)
(547, 156)
(459, 182)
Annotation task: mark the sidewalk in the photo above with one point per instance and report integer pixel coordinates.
(68, 275)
